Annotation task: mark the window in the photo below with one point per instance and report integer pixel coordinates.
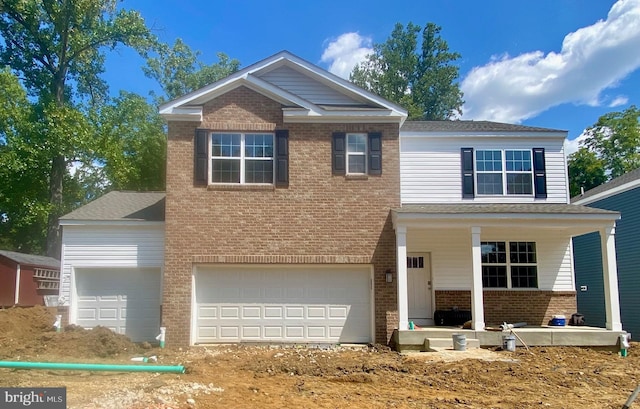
(500, 171)
(516, 257)
(356, 153)
(242, 158)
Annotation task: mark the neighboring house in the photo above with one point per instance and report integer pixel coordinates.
(621, 194)
(26, 279)
(300, 208)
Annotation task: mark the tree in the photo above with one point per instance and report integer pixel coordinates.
(57, 49)
(132, 147)
(615, 139)
(179, 72)
(423, 81)
(586, 171)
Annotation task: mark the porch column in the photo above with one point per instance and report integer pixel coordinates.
(477, 298)
(403, 296)
(610, 275)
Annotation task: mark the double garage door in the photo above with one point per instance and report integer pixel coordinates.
(125, 300)
(324, 304)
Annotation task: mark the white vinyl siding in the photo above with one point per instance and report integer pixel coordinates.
(109, 246)
(306, 88)
(451, 255)
(430, 168)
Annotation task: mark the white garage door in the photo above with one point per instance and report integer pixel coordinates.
(126, 301)
(283, 304)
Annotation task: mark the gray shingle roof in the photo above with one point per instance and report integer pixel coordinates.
(516, 208)
(613, 183)
(31, 259)
(118, 205)
(469, 126)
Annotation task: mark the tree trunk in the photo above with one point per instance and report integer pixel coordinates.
(58, 167)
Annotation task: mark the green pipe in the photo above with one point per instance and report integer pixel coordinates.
(92, 367)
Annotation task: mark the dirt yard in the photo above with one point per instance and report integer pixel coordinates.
(277, 377)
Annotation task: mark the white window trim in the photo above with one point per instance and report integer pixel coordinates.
(242, 158)
(503, 172)
(365, 154)
(509, 264)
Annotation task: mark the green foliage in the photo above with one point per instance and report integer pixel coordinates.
(179, 72)
(610, 149)
(132, 144)
(421, 80)
(57, 49)
(586, 171)
(615, 139)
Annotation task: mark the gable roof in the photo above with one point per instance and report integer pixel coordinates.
(307, 92)
(469, 126)
(623, 183)
(121, 206)
(31, 259)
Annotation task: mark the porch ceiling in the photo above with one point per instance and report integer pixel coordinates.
(574, 219)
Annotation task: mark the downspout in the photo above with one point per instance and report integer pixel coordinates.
(16, 297)
(92, 367)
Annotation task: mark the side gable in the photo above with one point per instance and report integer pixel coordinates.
(306, 92)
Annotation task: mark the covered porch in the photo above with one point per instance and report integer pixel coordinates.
(500, 263)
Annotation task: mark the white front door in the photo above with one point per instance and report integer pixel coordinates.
(419, 287)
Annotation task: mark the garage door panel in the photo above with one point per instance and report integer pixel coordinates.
(294, 304)
(124, 300)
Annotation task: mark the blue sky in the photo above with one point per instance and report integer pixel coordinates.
(552, 63)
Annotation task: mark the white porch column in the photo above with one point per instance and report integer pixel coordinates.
(477, 299)
(610, 276)
(403, 295)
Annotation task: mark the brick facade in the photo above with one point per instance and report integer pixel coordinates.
(319, 218)
(533, 307)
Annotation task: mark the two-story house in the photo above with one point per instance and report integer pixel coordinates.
(301, 208)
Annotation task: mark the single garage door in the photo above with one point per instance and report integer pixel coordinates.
(324, 304)
(126, 301)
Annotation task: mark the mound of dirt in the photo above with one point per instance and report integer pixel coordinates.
(28, 333)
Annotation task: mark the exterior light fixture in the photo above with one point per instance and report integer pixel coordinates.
(389, 276)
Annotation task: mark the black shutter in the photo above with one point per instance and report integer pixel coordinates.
(282, 158)
(467, 173)
(539, 173)
(338, 153)
(201, 158)
(375, 153)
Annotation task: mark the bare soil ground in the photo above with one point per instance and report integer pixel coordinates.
(278, 377)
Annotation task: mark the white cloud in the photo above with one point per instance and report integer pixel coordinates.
(573, 145)
(592, 59)
(343, 53)
(619, 100)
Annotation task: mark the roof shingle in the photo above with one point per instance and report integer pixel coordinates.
(469, 126)
(31, 259)
(118, 205)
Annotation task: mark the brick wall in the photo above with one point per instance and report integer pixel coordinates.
(318, 217)
(532, 307)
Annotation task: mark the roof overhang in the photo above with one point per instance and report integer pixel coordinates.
(575, 220)
(495, 134)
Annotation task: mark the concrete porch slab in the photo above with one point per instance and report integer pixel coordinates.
(414, 340)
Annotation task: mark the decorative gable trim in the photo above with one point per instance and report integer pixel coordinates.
(189, 107)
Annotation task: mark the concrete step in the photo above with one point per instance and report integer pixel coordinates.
(433, 344)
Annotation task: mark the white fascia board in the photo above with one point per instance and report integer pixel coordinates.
(469, 134)
(190, 114)
(510, 216)
(608, 193)
(110, 223)
(382, 116)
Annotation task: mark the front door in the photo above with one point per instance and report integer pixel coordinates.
(419, 287)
